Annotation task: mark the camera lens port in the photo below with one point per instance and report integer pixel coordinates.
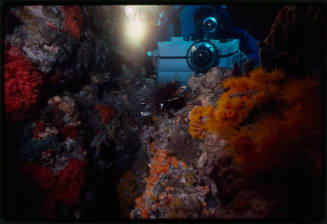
(209, 25)
(202, 55)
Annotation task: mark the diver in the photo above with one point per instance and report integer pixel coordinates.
(187, 21)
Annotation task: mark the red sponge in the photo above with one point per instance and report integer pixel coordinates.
(107, 113)
(73, 20)
(65, 186)
(22, 82)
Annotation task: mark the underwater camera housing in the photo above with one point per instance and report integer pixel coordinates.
(177, 58)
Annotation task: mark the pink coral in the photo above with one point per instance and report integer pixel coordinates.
(22, 82)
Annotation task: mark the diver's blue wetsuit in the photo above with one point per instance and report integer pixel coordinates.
(248, 44)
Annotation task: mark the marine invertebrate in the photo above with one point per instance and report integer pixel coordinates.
(207, 88)
(127, 192)
(73, 20)
(39, 129)
(244, 94)
(40, 175)
(62, 186)
(53, 157)
(73, 173)
(69, 131)
(171, 191)
(61, 111)
(169, 96)
(200, 118)
(281, 143)
(22, 82)
(267, 120)
(54, 79)
(107, 113)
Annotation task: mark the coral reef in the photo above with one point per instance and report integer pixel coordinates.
(53, 158)
(207, 88)
(22, 86)
(276, 145)
(171, 191)
(63, 186)
(258, 115)
(234, 106)
(127, 192)
(108, 141)
(73, 20)
(107, 113)
(168, 96)
(200, 121)
(272, 128)
(171, 134)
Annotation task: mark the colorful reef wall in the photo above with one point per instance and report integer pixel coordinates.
(89, 134)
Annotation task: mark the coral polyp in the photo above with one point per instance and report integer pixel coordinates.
(266, 118)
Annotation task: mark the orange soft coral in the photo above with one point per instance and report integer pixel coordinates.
(244, 94)
(200, 121)
(280, 144)
(286, 120)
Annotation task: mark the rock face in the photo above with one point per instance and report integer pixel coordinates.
(294, 40)
(84, 82)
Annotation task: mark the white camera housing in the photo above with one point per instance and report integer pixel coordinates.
(171, 59)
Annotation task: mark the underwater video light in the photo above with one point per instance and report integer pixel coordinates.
(136, 31)
(135, 27)
(209, 25)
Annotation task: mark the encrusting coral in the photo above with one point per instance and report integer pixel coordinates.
(171, 191)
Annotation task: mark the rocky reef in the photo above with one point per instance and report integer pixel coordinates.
(89, 134)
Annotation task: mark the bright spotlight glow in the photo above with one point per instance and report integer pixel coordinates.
(130, 12)
(136, 31)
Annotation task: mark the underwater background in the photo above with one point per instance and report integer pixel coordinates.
(97, 125)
